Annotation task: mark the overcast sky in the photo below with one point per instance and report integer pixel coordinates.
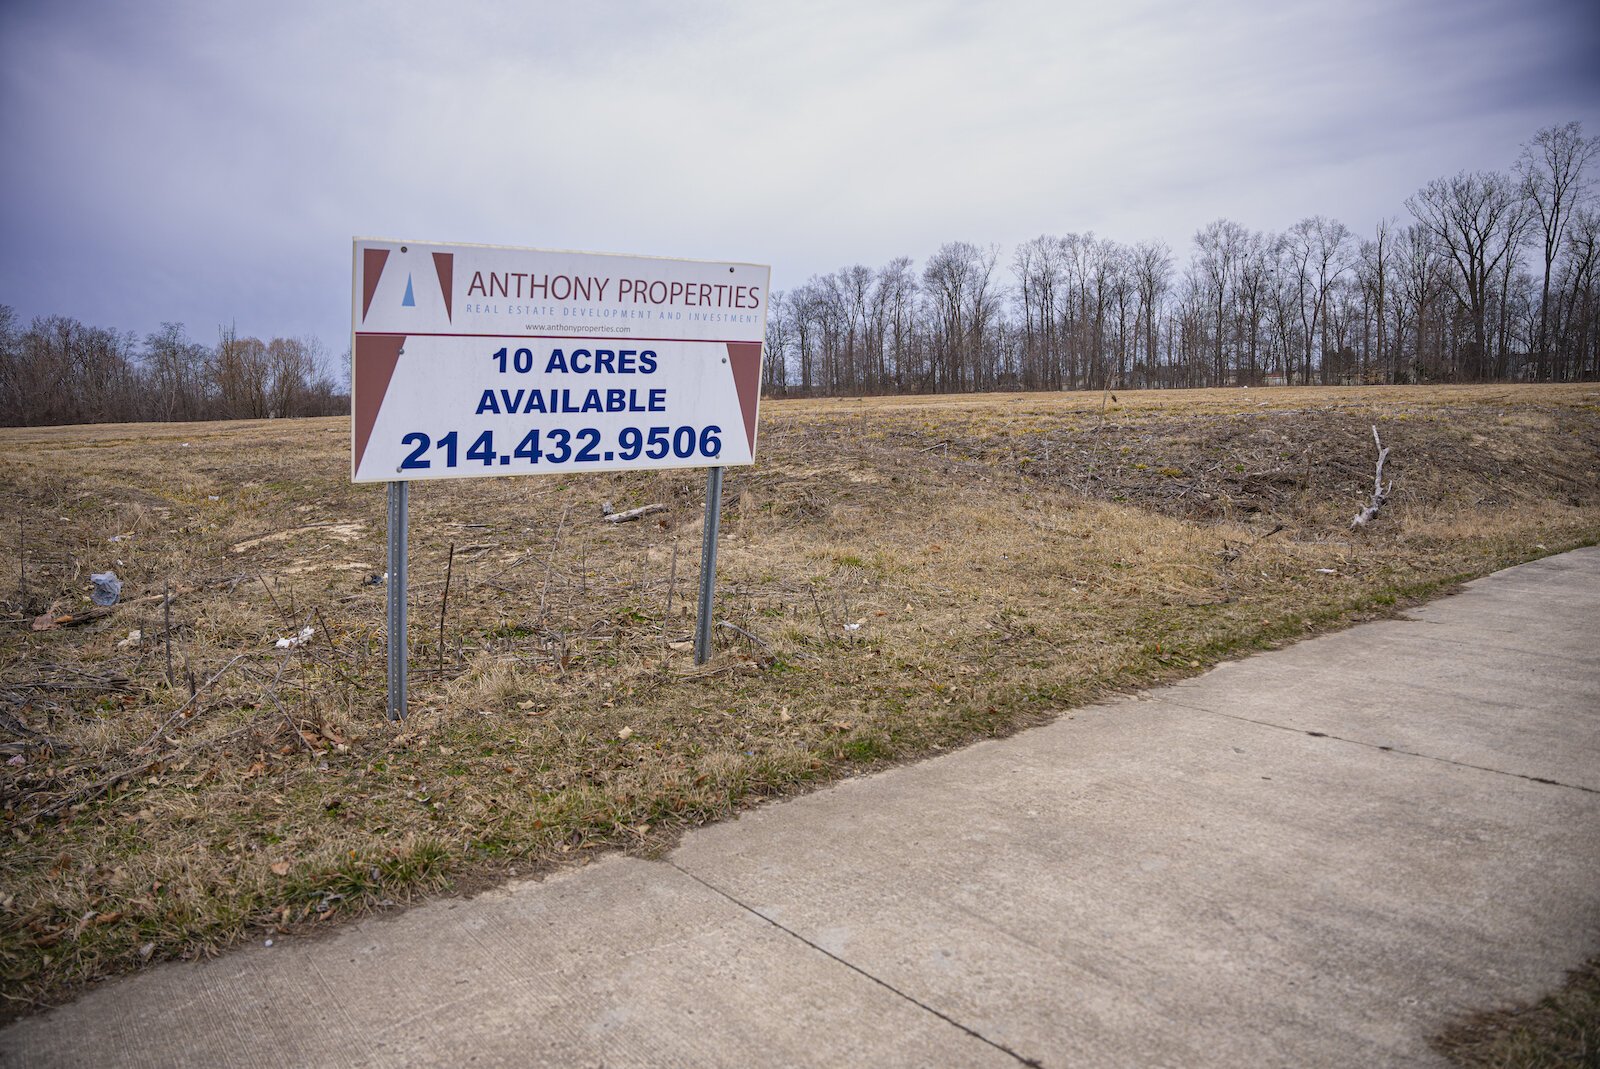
(209, 162)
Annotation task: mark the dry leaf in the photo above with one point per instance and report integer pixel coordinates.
(280, 868)
(625, 733)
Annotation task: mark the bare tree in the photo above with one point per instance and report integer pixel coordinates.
(1152, 276)
(1318, 247)
(1552, 170)
(1479, 220)
(775, 362)
(1219, 247)
(1580, 306)
(13, 374)
(1422, 280)
(958, 284)
(895, 298)
(174, 375)
(1373, 272)
(1123, 296)
(1257, 263)
(241, 373)
(291, 369)
(1037, 268)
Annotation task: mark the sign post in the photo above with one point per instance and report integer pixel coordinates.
(708, 566)
(472, 361)
(395, 563)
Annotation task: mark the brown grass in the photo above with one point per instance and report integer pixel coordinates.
(1560, 1031)
(916, 573)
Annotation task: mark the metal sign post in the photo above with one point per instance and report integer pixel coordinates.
(396, 561)
(708, 566)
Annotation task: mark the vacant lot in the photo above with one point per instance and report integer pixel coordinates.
(900, 576)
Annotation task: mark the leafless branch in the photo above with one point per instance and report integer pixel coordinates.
(1380, 493)
(634, 514)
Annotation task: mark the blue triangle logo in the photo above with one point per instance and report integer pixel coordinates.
(410, 301)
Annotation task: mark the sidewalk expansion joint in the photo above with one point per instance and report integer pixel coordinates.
(1389, 749)
(1021, 1059)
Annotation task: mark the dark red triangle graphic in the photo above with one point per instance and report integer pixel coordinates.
(745, 359)
(375, 360)
(444, 263)
(371, 270)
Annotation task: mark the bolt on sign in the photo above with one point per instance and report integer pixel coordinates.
(478, 360)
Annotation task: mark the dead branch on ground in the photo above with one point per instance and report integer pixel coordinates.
(1380, 493)
(634, 514)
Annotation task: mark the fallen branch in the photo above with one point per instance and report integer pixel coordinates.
(294, 729)
(1380, 493)
(166, 631)
(634, 514)
(192, 699)
(444, 602)
(14, 726)
(110, 683)
(763, 643)
(49, 622)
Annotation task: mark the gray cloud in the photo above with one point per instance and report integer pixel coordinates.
(209, 163)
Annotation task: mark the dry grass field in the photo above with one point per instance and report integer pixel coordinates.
(902, 576)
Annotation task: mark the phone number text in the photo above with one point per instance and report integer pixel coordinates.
(558, 445)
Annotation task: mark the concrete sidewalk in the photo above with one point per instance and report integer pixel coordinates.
(1317, 856)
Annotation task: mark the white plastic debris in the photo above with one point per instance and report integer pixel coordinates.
(132, 640)
(300, 637)
(1328, 571)
(107, 588)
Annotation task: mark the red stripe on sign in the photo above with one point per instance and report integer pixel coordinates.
(444, 264)
(376, 357)
(372, 261)
(745, 359)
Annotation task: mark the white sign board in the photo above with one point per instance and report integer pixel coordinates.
(477, 360)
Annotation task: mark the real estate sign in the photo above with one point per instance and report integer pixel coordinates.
(475, 360)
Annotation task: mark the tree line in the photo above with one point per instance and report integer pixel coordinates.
(59, 370)
(1492, 277)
